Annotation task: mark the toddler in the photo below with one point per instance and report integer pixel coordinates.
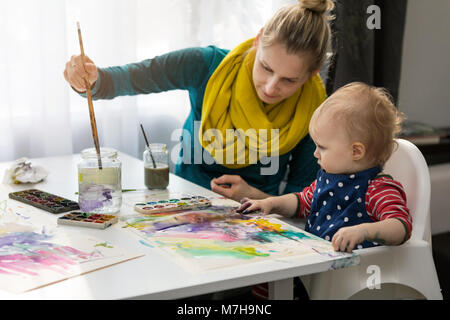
(351, 203)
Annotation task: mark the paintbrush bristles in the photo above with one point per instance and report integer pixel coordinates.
(89, 99)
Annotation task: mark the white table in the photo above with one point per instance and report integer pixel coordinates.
(152, 276)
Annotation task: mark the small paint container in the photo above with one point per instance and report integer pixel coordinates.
(156, 166)
(90, 220)
(100, 190)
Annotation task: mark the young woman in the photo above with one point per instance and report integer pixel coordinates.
(250, 107)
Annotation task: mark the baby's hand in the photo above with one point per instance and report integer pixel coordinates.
(248, 205)
(345, 239)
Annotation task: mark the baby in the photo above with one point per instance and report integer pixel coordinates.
(351, 203)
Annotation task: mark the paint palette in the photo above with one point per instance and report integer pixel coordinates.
(90, 220)
(175, 204)
(45, 201)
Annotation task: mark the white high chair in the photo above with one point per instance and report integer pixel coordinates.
(391, 272)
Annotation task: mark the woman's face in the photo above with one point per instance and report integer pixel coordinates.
(277, 74)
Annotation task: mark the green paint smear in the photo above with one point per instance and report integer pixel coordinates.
(236, 252)
(137, 221)
(104, 244)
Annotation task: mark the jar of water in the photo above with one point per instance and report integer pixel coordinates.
(100, 189)
(156, 166)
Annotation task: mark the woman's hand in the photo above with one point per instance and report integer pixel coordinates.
(345, 239)
(234, 187)
(75, 72)
(249, 205)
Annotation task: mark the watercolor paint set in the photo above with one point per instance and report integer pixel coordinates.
(173, 204)
(45, 201)
(89, 220)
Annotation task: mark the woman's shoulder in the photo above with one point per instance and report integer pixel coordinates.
(213, 56)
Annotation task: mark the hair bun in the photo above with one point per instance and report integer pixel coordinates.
(319, 6)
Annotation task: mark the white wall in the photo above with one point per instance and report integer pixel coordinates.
(425, 77)
(425, 88)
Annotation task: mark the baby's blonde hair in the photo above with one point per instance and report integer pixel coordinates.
(301, 28)
(369, 117)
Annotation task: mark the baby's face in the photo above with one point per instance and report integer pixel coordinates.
(333, 146)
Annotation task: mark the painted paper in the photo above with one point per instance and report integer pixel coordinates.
(218, 237)
(35, 253)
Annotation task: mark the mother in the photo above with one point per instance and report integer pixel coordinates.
(250, 107)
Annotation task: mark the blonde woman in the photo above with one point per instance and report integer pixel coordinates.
(249, 106)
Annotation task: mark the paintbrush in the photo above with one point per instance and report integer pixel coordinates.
(148, 146)
(89, 99)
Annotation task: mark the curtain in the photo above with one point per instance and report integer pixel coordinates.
(364, 54)
(41, 116)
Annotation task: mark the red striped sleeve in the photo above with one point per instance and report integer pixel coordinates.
(386, 199)
(305, 198)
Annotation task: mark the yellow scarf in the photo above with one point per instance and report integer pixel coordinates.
(231, 104)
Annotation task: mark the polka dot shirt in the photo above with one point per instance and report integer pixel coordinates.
(334, 201)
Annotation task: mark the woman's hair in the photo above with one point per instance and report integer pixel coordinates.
(369, 116)
(301, 28)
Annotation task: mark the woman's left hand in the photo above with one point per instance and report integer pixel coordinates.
(234, 187)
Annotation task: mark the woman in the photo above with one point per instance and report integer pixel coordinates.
(250, 107)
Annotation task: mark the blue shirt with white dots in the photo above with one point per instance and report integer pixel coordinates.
(339, 201)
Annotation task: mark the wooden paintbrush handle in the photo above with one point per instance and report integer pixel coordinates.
(89, 99)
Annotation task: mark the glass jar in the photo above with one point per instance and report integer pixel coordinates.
(156, 170)
(100, 190)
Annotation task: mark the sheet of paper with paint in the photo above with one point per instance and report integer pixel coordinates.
(157, 222)
(34, 252)
(206, 244)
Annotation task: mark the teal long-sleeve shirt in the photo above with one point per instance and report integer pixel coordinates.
(190, 69)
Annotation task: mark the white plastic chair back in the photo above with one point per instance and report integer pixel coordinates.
(408, 166)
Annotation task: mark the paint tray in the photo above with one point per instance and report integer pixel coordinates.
(89, 220)
(175, 204)
(45, 201)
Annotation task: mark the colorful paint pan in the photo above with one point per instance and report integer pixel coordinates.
(45, 201)
(185, 203)
(90, 220)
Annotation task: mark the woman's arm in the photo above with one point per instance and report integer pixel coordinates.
(302, 171)
(236, 188)
(182, 69)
